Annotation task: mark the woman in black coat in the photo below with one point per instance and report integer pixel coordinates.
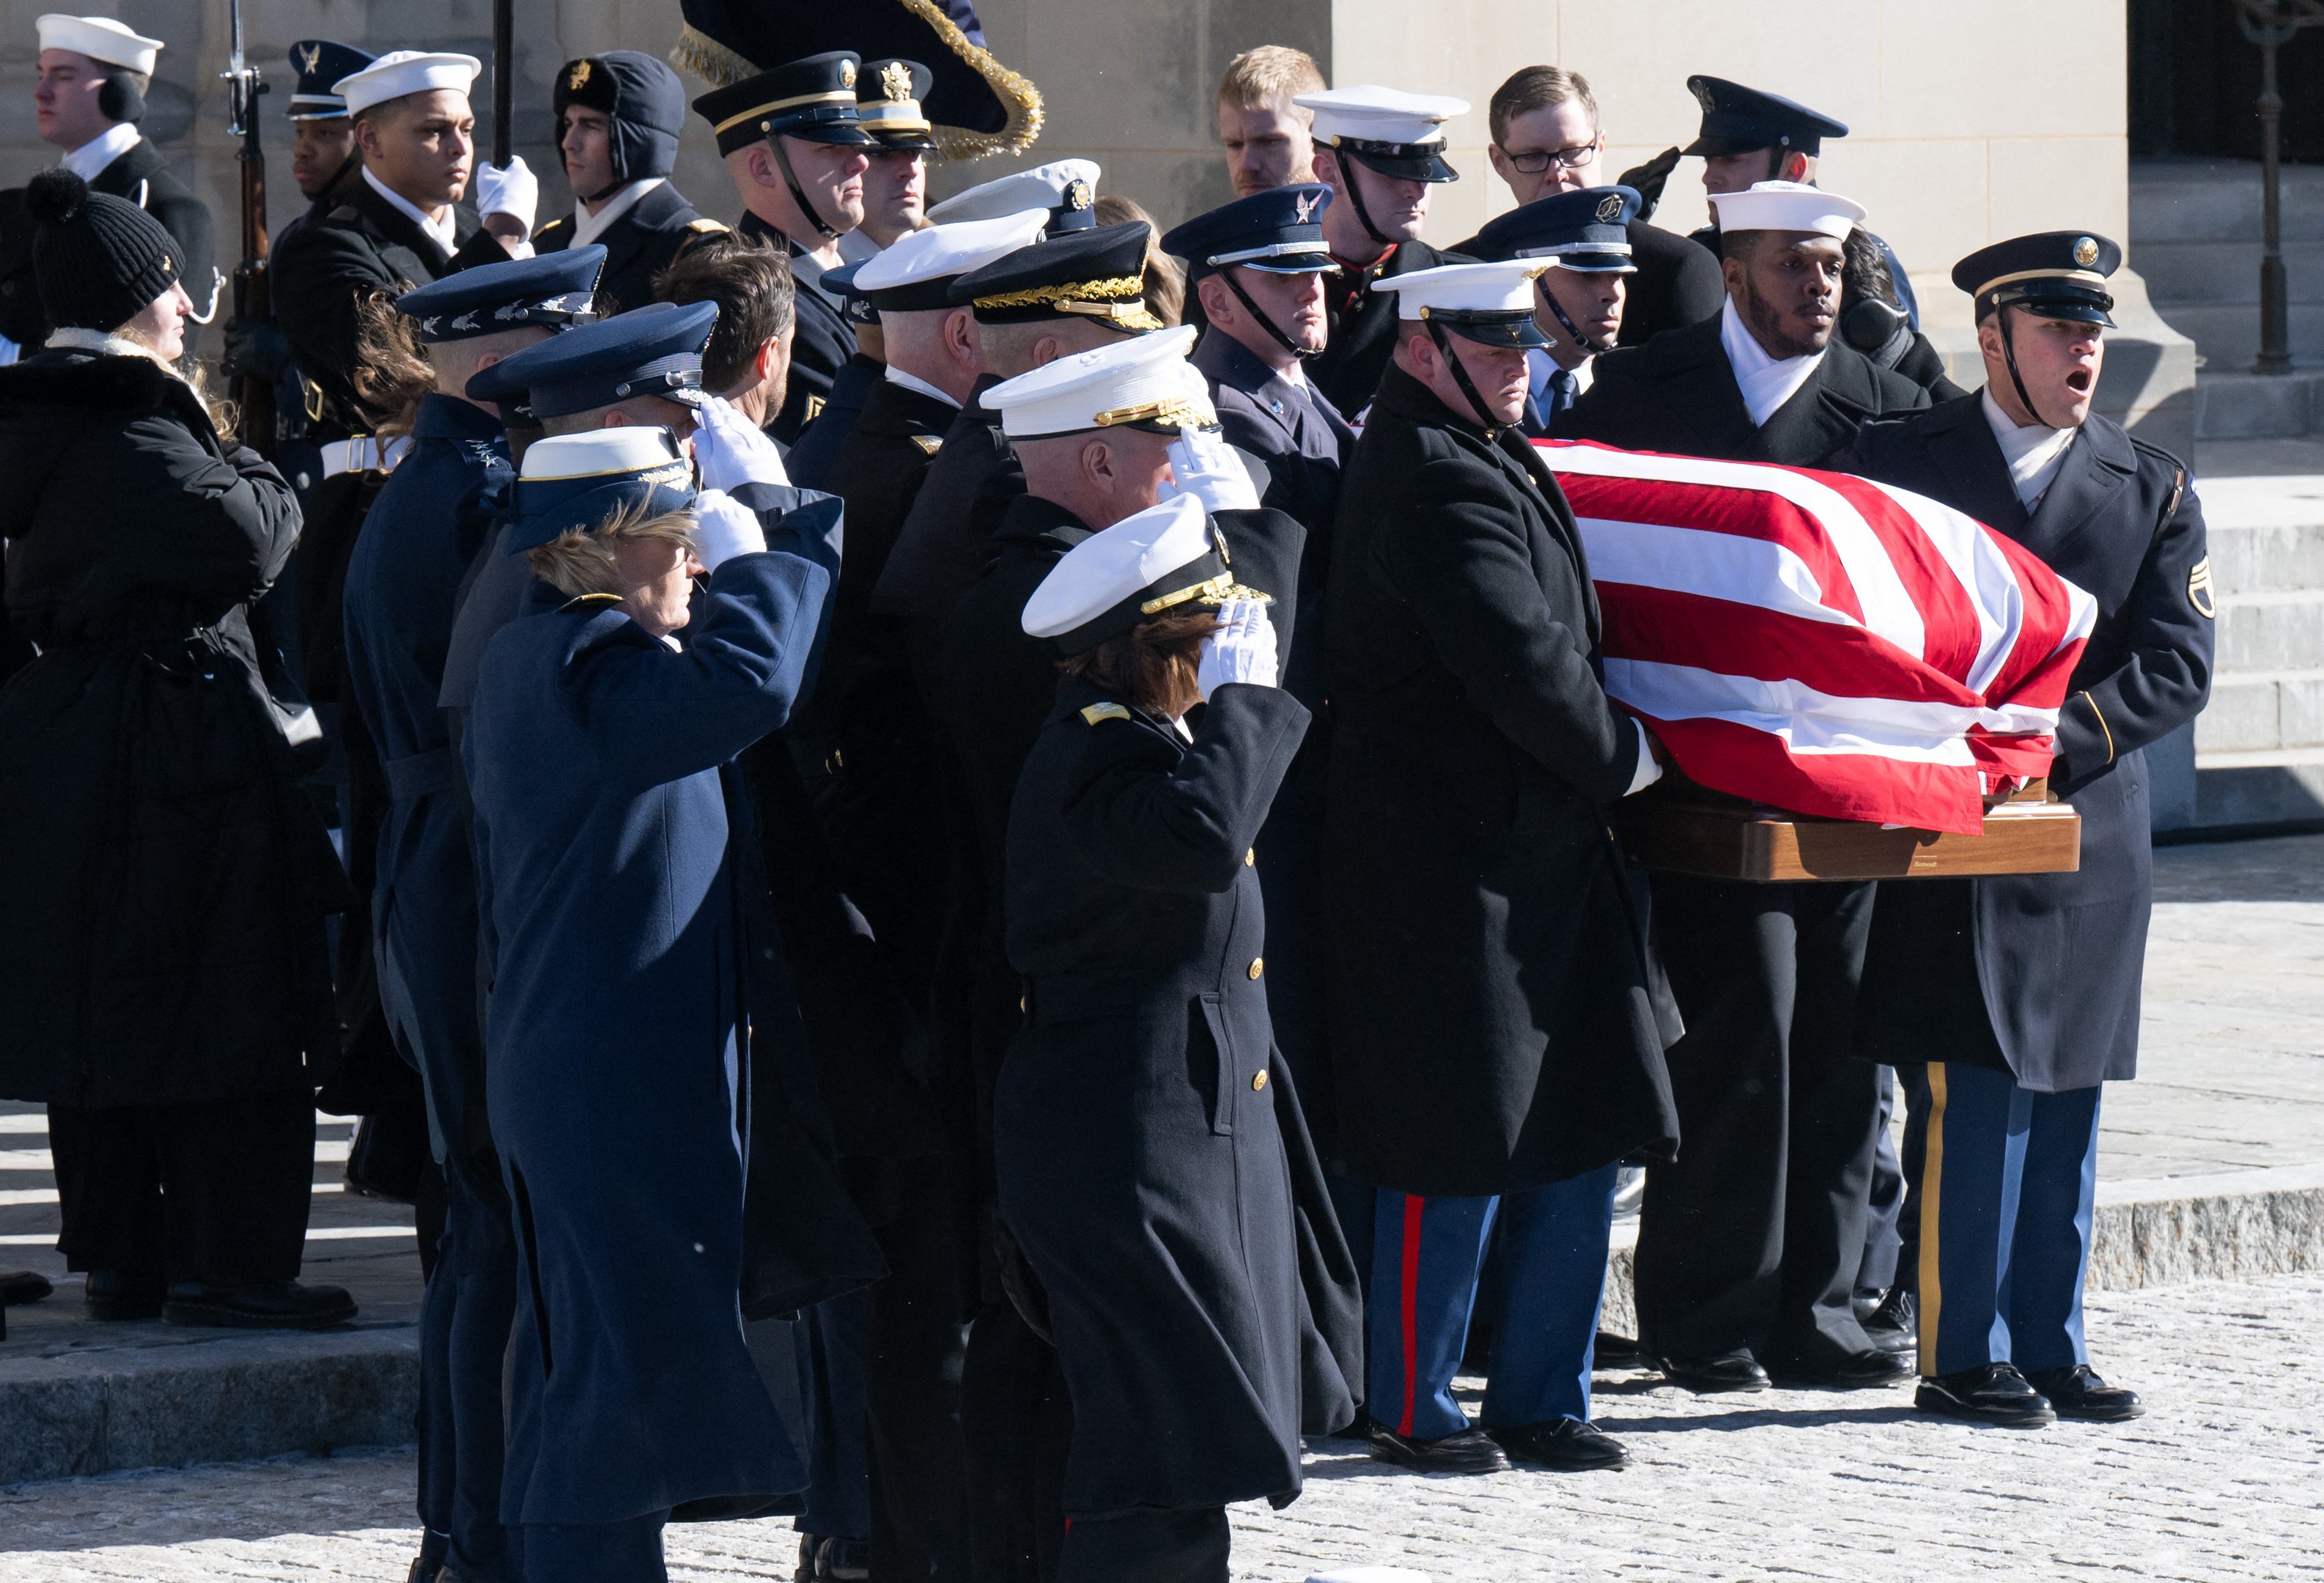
(162, 882)
(1144, 1166)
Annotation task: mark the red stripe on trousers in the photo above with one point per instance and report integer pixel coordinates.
(1410, 1299)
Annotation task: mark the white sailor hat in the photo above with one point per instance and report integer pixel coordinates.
(1488, 303)
(406, 71)
(100, 38)
(1141, 382)
(1787, 206)
(1155, 560)
(916, 271)
(1394, 133)
(1065, 190)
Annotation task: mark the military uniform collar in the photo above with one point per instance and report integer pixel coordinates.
(1232, 363)
(1401, 393)
(89, 160)
(444, 233)
(448, 418)
(1031, 520)
(587, 227)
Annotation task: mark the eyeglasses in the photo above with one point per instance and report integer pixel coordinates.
(1534, 161)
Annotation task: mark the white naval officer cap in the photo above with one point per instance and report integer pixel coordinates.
(916, 271)
(1151, 561)
(406, 71)
(1065, 191)
(100, 38)
(1368, 113)
(1144, 382)
(1787, 206)
(1490, 303)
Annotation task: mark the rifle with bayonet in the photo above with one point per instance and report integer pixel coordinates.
(253, 299)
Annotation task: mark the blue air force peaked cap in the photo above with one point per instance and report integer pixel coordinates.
(1280, 231)
(1099, 273)
(2056, 275)
(1736, 119)
(552, 288)
(320, 63)
(813, 101)
(650, 351)
(579, 482)
(1587, 229)
(642, 97)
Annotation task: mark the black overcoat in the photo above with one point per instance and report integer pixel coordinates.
(2039, 973)
(1363, 325)
(162, 881)
(1499, 1022)
(810, 461)
(639, 245)
(821, 343)
(1142, 1129)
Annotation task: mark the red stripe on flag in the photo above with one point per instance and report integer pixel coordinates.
(1746, 762)
(1733, 638)
(1707, 508)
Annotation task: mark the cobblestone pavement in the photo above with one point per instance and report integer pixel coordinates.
(2224, 1479)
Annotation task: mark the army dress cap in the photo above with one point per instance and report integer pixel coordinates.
(888, 102)
(1280, 231)
(1394, 133)
(1738, 119)
(2053, 274)
(406, 71)
(1586, 230)
(1097, 274)
(916, 271)
(640, 95)
(1067, 189)
(550, 289)
(1488, 303)
(1787, 206)
(1143, 382)
(101, 39)
(320, 63)
(813, 101)
(1159, 559)
(577, 481)
(650, 351)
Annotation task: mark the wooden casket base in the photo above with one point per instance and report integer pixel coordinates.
(1690, 830)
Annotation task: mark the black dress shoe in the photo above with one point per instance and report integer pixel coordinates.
(1612, 1351)
(1568, 1445)
(1720, 1371)
(18, 1287)
(118, 1295)
(1846, 1372)
(1467, 1450)
(272, 1305)
(1896, 1325)
(2078, 1392)
(1993, 1393)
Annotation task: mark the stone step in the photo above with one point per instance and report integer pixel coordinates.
(2277, 629)
(2230, 404)
(2256, 558)
(2262, 712)
(2263, 789)
(2227, 335)
(2217, 201)
(2219, 273)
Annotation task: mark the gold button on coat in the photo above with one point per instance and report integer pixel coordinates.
(1250, 857)
(1257, 1082)
(1258, 966)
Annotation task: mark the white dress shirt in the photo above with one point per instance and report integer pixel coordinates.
(2035, 453)
(587, 227)
(445, 231)
(913, 382)
(1766, 383)
(101, 151)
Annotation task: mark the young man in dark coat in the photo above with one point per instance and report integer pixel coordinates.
(1751, 1241)
(1581, 299)
(2022, 991)
(619, 116)
(1498, 1019)
(1380, 150)
(163, 884)
(403, 584)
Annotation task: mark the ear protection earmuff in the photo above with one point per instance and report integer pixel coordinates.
(118, 98)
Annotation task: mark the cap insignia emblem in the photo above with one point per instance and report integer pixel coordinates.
(1611, 210)
(1702, 96)
(1303, 208)
(578, 75)
(311, 58)
(1078, 195)
(895, 81)
(847, 74)
(2086, 252)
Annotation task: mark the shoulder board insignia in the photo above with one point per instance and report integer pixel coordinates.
(590, 602)
(2199, 589)
(1098, 713)
(930, 444)
(706, 226)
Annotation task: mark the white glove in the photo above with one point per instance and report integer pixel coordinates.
(1204, 465)
(732, 451)
(724, 528)
(1241, 650)
(513, 191)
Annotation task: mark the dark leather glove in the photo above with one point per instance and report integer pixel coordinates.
(255, 349)
(1649, 178)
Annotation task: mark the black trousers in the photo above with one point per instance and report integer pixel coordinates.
(464, 1315)
(1017, 1422)
(1753, 1237)
(215, 1193)
(915, 1337)
(1148, 1547)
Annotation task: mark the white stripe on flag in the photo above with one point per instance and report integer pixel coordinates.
(1988, 582)
(1713, 565)
(1813, 722)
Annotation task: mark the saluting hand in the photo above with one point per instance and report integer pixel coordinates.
(1242, 650)
(724, 528)
(512, 191)
(732, 451)
(1205, 466)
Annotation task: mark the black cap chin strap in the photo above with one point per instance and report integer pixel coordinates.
(2009, 356)
(1265, 323)
(1493, 426)
(798, 195)
(1356, 197)
(1541, 284)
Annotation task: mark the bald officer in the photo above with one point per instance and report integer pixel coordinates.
(2022, 991)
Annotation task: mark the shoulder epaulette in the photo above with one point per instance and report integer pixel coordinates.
(928, 443)
(1096, 714)
(590, 602)
(2166, 457)
(706, 225)
(552, 226)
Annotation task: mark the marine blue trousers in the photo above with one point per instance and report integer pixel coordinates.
(2007, 1189)
(1426, 1255)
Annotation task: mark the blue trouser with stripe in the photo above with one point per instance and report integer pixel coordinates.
(1426, 1255)
(2007, 1191)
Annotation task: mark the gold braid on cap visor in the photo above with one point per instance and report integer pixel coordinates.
(1171, 412)
(1216, 591)
(1120, 298)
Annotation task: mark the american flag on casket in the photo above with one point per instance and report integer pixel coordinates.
(1820, 642)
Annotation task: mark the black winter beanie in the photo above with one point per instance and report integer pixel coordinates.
(99, 259)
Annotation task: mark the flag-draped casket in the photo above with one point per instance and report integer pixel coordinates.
(1823, 643)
